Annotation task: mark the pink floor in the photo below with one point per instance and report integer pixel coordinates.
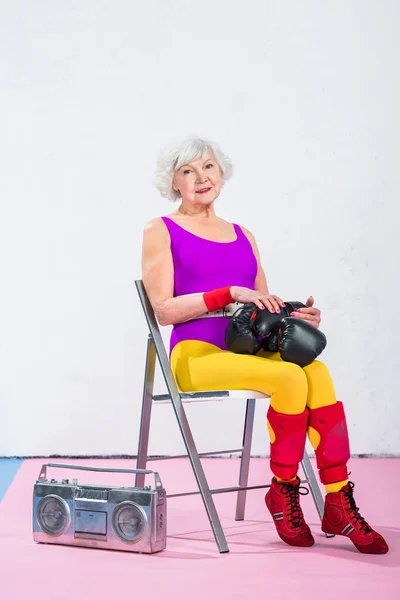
(258, 565)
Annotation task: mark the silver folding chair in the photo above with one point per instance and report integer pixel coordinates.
(156, 347)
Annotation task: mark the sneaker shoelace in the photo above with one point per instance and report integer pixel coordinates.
(354, 510)
(293, 493)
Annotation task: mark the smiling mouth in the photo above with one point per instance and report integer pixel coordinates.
(203, 190)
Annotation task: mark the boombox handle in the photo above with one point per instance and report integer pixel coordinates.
(157, 479)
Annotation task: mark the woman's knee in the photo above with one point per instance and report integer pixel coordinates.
(291, 390)
(321, 390)
(317, 369)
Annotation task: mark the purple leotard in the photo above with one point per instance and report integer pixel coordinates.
(202, 265)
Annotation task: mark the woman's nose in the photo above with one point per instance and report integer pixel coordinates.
(201, 177)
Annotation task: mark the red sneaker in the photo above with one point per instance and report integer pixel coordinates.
(283, 502)
(342, 517)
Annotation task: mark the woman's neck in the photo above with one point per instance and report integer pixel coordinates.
(201, 212)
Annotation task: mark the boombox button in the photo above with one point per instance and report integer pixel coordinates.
(65, 480)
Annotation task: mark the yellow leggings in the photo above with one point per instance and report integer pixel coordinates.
(202, 366)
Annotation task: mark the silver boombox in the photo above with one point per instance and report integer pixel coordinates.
(114, 518)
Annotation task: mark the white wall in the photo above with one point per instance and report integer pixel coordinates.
(303, 95)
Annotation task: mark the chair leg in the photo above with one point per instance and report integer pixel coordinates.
(146, 411)
(313, 483)
(245, 458)
(314, 487)
(199, 473)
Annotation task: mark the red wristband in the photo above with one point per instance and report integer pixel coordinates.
(218, 298)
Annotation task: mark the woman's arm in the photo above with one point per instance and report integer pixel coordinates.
(310, 314)
(260, 283)
(158, 278)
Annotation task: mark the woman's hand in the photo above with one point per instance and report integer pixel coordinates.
(244, 295)
(310, 314)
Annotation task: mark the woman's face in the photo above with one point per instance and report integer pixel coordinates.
(200, 181)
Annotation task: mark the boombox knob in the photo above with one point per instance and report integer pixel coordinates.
(65, 481)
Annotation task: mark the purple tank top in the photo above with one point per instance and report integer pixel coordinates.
(202, 265)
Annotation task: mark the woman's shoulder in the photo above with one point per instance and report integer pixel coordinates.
(155, 229)
(158, 223)
(156, 238)
(155, 224)
(250, 237)
(246, 232)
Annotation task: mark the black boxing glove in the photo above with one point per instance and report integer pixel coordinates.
(265, 321)
(240, 334)
(297, 341)
(250, 323)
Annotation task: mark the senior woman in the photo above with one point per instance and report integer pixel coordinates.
(195, 262)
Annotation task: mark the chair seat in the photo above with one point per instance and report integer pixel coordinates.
(211, 395)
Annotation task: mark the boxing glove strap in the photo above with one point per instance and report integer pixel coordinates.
(228, 311)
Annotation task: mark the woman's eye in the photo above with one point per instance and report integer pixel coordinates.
(209, 165)
(186, 171)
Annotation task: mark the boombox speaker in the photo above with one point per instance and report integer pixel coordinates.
(114, 518)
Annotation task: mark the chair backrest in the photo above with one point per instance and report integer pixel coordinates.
(157, 339)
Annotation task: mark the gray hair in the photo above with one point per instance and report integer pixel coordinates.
(175, 155)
